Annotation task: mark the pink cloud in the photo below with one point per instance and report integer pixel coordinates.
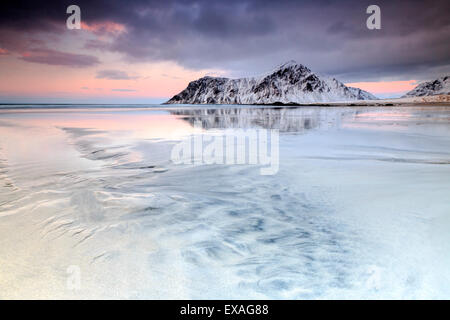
(3, 52)
(104, 27)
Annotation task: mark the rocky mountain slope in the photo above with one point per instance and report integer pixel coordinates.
(431, 88)
(289, 83)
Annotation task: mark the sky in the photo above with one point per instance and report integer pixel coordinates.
(138, 51)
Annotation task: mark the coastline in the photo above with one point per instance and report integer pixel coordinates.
(438, 100)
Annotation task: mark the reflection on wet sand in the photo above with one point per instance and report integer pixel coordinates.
(300, 119)
(362, 192)
(284, 119)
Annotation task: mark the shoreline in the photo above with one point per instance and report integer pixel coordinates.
(438, 100)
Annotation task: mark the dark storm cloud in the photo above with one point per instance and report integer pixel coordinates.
(58, 58)
(251, 36)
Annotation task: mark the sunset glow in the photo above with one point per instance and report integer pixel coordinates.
(149, 52)
(385, 87)
(214, 159)
(108, 27)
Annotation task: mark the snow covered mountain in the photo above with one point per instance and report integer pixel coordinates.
(289, 83)
(361, 94)
(431, 88)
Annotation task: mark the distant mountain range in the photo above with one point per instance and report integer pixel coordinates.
(431, 88)
(289, 83)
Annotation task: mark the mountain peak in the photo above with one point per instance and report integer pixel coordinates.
(289, 65)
